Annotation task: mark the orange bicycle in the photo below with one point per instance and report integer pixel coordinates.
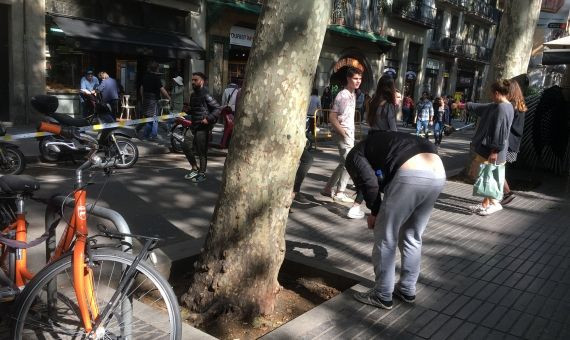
(89, 291)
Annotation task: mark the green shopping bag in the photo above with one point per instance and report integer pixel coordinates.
(490, 181)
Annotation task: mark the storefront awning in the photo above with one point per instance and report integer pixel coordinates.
(109, 38)
(557, 52)
(352, 33)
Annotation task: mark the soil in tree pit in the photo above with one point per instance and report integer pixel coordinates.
(303, 289)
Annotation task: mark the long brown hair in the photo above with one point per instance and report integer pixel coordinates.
(502, 86)
(385, 90)
(516, 97)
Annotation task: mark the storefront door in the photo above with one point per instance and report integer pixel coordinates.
(4, 63)
(127, 76)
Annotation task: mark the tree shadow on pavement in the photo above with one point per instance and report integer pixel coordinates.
(454, 204)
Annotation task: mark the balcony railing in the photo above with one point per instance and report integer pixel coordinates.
(484, 11)
(345, 14)
(456, 3)
(460, 48)
(417, 12)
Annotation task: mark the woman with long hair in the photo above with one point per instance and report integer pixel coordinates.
(490, 141)
(381, 113)
(516, 98)
(440, 116)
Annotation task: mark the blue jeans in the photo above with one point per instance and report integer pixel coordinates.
(150, 129)
(422, 125)
(438, 131)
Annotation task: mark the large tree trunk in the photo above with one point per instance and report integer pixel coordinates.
(513, 44)
(245, 246)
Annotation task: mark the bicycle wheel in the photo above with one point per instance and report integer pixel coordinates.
(127, 154)
(47, 308)
(14, 161)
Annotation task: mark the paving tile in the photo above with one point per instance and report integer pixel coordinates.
(421, 321)
(521, 325)
(523, 301)
(494, 316)
(456, 305)
(513, 280)
(433, 326)
(475, 288)
(536, 328)
(499, 293)
(475, 312)
(447, 329)
(552, 330)
(479, 333)
(511, 297)
(508, 320)
(463, 331)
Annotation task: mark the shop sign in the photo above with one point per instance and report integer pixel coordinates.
(411, 75)
(433, 64)
(241, 36)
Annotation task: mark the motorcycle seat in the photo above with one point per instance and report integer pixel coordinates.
(67, 120)
(18, 184)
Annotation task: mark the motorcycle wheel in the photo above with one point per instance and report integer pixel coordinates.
(46, 154)
(175, 144)
(130, 153)
(14, 161)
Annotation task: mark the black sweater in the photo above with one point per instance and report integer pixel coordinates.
(202, 105)
(516, 132)
(386, 151)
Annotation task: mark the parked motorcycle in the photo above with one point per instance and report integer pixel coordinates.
(177, 132)
(115, 143)
(12, 161)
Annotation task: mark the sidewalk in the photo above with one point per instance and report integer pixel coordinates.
(503, 276)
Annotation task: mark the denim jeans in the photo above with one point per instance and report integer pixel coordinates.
(438, 131)
(422, 125)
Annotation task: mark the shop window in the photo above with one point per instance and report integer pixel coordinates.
(237, 61)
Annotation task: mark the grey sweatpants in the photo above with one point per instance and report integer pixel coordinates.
(406, 208)
(339, 177)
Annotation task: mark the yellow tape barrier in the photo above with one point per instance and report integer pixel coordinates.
(96, 127)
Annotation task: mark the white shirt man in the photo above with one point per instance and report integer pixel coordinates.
(342, 120)
(230, 95)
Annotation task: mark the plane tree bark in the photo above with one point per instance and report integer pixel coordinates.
(513, 43)
(245, 245)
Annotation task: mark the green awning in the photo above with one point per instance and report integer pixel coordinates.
(239, 5)
(352, 33)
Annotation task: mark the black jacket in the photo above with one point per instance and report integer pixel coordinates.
(386, 151)
(203, 105)
(516, 132)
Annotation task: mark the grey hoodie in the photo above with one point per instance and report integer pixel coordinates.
(492, 134)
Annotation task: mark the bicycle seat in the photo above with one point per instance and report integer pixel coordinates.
(18, 184)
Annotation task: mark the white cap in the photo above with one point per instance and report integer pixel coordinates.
(178, 80)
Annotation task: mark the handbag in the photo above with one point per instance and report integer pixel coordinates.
(490, 181)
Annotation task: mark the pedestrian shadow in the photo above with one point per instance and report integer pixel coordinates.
(454, 204)
(304, 249)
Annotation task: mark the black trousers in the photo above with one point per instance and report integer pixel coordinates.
(196, 144)
(303, 169)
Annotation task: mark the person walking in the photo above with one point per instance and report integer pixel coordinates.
(204, 111)
(151, 90)
(326, 98)
(381, 115)
(515, 135)
(440, 117)
(412, 177)
(177, 95)
(313, 109)
(424, 114)
(491, 139)
(407, 110)
(342, 121)
(109, 92)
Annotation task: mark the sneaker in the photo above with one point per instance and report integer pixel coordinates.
(477, 208)
(355, 212)
(201, 177)
(404, 297)
(370, 298)
(301, 199)
(508, 198)
(193, 173)
(342, 197)
(492, 208)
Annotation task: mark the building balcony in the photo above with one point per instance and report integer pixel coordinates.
(362, 19)
(458, 4)
(415, 12)
(483, 12)
(454, 47)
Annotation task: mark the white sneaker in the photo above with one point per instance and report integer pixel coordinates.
(492, 208)
(477, 208)
(342, 197)
(355, 212)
